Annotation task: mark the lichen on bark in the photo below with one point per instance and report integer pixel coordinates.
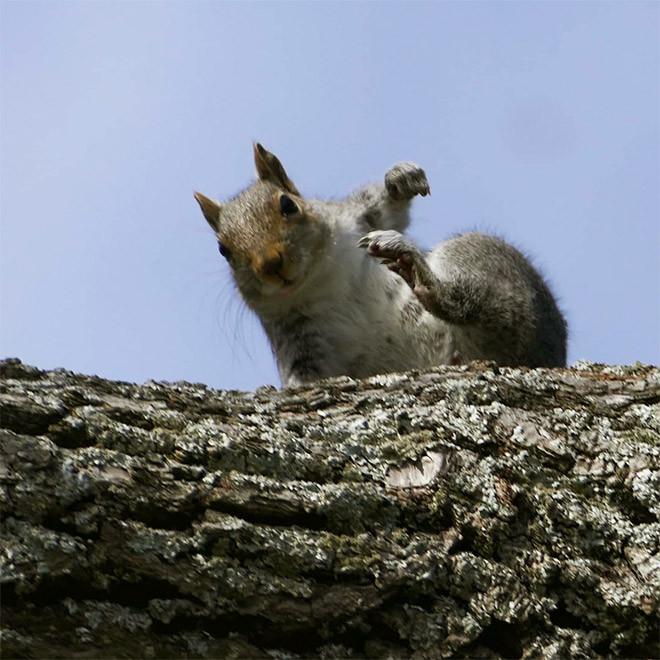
(462, 511)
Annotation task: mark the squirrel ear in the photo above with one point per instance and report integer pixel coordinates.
(269, 168)
(210, 209)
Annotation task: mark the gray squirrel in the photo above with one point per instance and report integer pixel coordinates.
(340, 290)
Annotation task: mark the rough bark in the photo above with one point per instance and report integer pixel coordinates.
(461, 512)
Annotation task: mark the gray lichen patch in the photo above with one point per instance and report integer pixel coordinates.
(461, 511)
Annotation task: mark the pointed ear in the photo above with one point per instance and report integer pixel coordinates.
(269, 168)
(210, 209)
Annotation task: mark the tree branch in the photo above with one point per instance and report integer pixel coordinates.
(460, 512)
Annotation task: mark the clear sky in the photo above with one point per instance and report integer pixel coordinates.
(535, 120)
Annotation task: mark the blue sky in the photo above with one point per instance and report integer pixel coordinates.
(534, 120)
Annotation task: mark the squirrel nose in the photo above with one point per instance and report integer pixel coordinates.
(272, 265)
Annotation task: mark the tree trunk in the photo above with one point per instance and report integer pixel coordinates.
(459, 512)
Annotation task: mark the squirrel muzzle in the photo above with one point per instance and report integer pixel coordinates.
(271, 266)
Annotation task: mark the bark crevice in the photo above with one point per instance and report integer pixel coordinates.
(459, 512)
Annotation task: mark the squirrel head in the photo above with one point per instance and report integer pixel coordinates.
(268, 233)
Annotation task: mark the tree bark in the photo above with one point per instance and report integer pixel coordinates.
(459, 512)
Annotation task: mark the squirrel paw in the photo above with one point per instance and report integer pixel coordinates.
(396, 252)
(405, 180)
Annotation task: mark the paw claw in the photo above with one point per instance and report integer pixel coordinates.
(387, 244)
(405, 180)
(394, 251)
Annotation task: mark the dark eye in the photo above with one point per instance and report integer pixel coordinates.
(287, 205)
(224, 251)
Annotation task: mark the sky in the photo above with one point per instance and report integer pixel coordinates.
(537, 121)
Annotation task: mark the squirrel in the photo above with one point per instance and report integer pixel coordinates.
(340, 290)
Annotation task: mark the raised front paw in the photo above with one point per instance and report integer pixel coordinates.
(405, 180)
(395, 251)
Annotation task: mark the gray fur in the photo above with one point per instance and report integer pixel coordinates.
(339, 309)
(486, 287)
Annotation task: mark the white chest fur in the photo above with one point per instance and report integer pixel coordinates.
(355, 317)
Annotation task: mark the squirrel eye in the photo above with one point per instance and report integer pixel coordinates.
(287, 205)
(224, 251)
